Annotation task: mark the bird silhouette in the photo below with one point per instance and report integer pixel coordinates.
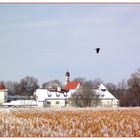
(97, 50)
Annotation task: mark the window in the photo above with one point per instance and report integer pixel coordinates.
(57, 102)
(49, 94)
(66, 102)
(65, 94)
(103, 89)
(57, 94)
(48, 103)
(102, 94)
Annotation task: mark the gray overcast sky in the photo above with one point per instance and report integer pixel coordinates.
(44, 40)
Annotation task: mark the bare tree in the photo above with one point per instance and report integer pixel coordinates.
(134, 85)
(28, 85)
(10, 86)
(96, 82)
(52, 85)
(122, 84)
(111, 87)
(13, 88)
(80, 79)
(122, 88)
(85, 96)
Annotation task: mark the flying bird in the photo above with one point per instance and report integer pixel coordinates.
(97, 50)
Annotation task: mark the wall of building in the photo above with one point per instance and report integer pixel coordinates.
(47, 98)
(3, 96)
(54, 103)
(109, 103)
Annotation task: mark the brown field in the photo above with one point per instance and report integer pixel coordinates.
(86, 122)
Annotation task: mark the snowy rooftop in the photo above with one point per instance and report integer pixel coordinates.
(20, 103)
(103, 93)
(43, 94)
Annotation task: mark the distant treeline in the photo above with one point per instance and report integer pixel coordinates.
(126, 91)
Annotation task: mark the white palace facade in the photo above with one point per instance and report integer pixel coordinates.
(60, 97)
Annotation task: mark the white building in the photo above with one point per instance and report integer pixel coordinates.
(58, 98)
(106, 99)
(20, 103)
(3, 93)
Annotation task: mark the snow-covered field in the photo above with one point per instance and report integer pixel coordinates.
(72, 122)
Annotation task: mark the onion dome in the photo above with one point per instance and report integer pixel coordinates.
(67, 74)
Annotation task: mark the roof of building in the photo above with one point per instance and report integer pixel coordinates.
(102, 87)
(103, 93)
(71, 85)
(43, 94)
(20, 103)
(2, 86)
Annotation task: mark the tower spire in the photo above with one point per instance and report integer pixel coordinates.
(67, 77)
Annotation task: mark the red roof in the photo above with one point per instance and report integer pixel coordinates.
(2, 86)
(71, 85)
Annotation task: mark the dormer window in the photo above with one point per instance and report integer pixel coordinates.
(102, 94)
(97, 94)
(65, 94)
(57, 94)
(49, 94)
(103, 89)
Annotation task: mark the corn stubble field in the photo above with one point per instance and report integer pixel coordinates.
(72, 122)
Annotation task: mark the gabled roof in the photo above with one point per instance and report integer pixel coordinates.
(103, 93)
(43, 94)
(102, 87)
(2, 86)
(71, 85)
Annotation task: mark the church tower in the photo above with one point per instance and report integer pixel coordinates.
(3, 93)
(67, 77)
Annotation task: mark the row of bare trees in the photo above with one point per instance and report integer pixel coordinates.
(126, 91)
(25, 87)
(85, 96)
